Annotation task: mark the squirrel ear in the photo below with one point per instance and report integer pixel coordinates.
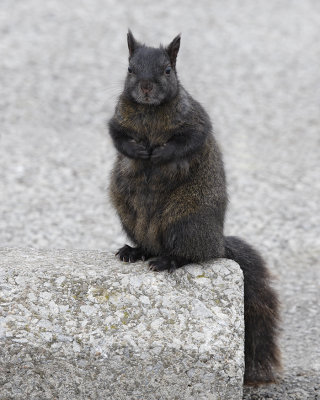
(173, 49)
(132, 43)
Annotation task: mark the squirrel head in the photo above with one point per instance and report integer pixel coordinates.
(152, 77)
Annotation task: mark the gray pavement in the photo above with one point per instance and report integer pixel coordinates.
(253, 64)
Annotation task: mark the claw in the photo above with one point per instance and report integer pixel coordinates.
(173, 267)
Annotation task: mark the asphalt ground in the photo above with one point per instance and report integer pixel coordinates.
(254, 65)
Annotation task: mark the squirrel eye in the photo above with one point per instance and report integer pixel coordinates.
(168, 70)
(130, 70)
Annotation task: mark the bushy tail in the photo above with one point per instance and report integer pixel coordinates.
(261, 314)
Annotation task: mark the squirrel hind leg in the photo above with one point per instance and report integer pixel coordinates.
(132, 254)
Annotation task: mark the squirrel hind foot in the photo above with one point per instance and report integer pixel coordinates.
(131, 254)
(166, 263)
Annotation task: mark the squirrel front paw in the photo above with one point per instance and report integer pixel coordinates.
(136, 150)
(162, 153)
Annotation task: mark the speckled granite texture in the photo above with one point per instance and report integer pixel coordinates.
(83, 325)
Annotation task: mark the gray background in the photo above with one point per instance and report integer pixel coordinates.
(254, 65)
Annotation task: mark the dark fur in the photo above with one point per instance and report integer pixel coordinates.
(168, 187)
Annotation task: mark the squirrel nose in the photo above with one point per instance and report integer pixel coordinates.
(146, 86)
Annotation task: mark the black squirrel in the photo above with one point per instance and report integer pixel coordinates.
(169, 189)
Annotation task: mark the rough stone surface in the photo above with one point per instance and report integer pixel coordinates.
(82, 325)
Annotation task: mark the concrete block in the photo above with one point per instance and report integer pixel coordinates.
(83, 325)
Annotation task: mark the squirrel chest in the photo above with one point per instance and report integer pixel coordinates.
(153, 126)
(141, 193)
